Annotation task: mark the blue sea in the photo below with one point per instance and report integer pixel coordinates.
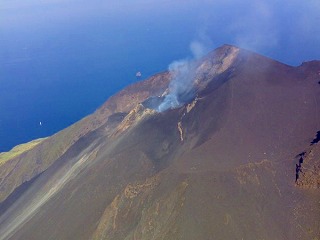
(60, 60)
(56, 70)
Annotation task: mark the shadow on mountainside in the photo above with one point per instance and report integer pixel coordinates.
(19, 191)
(316, 139)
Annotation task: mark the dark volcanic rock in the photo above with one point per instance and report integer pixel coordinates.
(220, 166)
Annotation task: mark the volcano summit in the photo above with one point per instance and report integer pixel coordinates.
(205, 151)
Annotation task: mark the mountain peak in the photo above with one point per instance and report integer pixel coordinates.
(189, 77)
(211, 147)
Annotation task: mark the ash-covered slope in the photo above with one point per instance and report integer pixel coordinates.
(18, 169)
(220, 165)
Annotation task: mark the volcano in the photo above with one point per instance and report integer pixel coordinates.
(237, 158)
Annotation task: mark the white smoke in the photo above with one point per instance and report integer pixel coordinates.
(182, 78)
(198, 49)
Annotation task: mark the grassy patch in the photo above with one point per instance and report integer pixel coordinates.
(19, 149)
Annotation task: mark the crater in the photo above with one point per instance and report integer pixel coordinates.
(153, 102)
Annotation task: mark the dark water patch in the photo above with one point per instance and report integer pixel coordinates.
(316, 140)
(15, 195)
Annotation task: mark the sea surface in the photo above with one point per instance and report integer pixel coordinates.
(54, 73)
(60, 60)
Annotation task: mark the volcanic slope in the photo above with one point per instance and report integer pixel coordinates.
(223, 165)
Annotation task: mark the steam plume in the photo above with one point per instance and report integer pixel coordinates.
(182, 78)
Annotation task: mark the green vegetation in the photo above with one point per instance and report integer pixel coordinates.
(19, 149)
